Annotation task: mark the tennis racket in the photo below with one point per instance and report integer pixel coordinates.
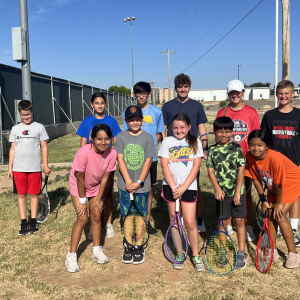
(260, 216)
(265, 248)
(135, 226)
(220, 251)
(176, 242)
(44, 204)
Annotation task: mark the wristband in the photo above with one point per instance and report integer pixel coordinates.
(82, 200)
(175, 187)
(262, 198)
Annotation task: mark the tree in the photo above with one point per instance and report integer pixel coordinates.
(258, 84)
(120, 89)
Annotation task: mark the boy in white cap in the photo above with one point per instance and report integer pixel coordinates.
(245, 119)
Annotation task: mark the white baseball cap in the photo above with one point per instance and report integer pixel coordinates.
(235, 85)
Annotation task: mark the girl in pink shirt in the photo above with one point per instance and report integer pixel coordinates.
(89, 174)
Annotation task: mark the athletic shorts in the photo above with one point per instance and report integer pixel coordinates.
(140, 199)
(232, 210)
(153, 172)
(189, 196)
(28, 182)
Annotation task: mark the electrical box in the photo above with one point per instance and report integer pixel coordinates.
(17, 115)
(19, 44)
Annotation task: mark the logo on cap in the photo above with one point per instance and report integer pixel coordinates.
(133, 110)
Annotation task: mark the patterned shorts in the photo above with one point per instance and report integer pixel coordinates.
(140, 199)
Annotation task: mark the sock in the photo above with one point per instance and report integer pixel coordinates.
(95, 248)
(72, 253)
(294, 223)
(23, 221)
(33, 220)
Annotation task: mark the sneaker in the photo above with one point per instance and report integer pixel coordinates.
(276, 255)
(200, 225)
(71, 263)
(90, 236)
(138, 255)
(222, 261)
(179, 257)
(128, 255)
(33, 228)
(241, 260)
(279, 234)
(109, 231)
(100, 256)
(229, 230)
(23, 229)
(292, 261)
(250, 236)
(296, 237)
(151, 230)
(198, 263)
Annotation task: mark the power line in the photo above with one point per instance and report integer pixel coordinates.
(223, 37)
(205, 33)
(158, 65)
(187, 24)
(178, 24)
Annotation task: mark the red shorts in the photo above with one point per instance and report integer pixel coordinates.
(28, 182)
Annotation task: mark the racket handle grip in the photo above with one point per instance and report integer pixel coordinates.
(177, 206)
(131, 196)
(267, 213)
(220, 209)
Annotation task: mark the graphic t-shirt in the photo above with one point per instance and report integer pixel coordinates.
(153, 123)
(284, 129)
(94, 165)
(192, 108)
(28, 140)
(88, 123)
(181, 158)
(245, 120)
(275, 168)
(136, 149)
(225, 160)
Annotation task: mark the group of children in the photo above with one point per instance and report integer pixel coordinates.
(241, 149)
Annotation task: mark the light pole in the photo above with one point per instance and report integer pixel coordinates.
(125, 20)
(239, 71)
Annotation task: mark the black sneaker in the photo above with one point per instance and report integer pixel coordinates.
(127, 256)
(151, 230)
(23, 229)
(138, 255)
(33, 228)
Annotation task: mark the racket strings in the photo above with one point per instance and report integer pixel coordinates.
(264, 253)
(221, 254)
(176, 243)
(135, 230)
(43, 207)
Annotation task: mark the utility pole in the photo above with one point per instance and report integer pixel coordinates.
(276, 52)
(26, 75)
(239, 71)
(152, 93)
(285, 39)
(168, 53)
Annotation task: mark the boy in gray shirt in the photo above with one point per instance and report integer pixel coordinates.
(24, 167)
(135, 149)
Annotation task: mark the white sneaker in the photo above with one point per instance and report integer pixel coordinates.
(250, 236)
(71, 263)
(229, 230)
(109, 231)
(100, 256)
(200, 225)
(90, 236)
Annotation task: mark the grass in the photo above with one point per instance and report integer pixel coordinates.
(32, 266)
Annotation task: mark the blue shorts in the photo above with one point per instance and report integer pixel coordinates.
(140, 199)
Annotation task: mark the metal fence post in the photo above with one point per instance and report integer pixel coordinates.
(70, 101)
(107, 102)
(53, 108)
(118, 102)
(82, 101)
(114, 103)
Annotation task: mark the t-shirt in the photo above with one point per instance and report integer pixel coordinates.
(275, 168)
(245, 120)
(191, 107)
(153, 123)
(136, 149)
(284, 130)
(225, 160)
(94, 165)
(88, 123)
(28, 138)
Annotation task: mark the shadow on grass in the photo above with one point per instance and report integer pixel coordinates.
(58, 198)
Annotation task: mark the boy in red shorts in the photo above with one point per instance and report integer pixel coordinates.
(24, 167)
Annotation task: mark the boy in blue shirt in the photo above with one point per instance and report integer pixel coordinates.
(153, 123)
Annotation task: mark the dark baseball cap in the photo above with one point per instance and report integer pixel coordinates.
(132, 111)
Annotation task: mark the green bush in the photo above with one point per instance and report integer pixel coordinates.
(223, 103)
(208, 108)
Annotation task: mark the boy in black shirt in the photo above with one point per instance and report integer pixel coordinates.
(282, 123)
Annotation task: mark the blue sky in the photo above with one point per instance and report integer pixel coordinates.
(87, 41)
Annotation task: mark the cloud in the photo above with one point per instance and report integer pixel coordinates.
(37, 15)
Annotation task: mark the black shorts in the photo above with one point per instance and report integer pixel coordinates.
(232, 210)
(189, 196)
(153, 172)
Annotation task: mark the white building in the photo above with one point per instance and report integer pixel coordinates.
(251, 93)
